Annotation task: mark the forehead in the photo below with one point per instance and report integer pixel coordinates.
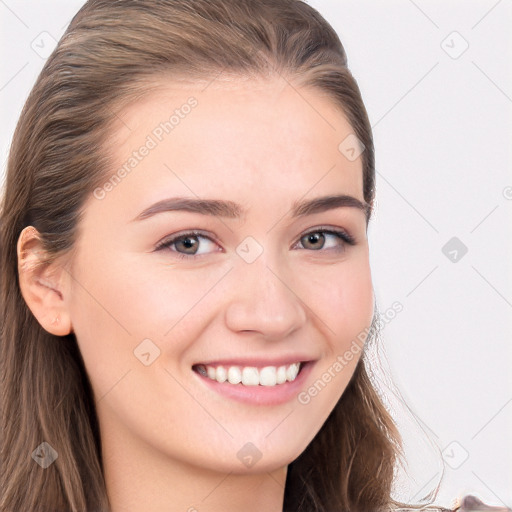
(242, 138)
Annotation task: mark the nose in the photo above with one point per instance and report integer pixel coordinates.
(264, 301)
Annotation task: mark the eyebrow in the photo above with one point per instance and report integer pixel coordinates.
(232, 210)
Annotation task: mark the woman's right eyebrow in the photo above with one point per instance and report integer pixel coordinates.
(230, 209)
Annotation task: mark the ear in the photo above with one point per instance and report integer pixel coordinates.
(44, 284)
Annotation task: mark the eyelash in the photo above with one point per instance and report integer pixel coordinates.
(167, 243)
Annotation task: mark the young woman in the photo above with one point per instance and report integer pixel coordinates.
(186, 290)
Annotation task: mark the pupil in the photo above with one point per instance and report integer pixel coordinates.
(314, 238)
(188, 242)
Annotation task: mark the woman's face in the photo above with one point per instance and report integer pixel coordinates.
(257, 282)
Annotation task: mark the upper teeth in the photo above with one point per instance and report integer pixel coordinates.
(250, 375)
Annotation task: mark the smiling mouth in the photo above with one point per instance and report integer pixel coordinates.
(250, 375)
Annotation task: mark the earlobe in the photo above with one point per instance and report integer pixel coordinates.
(43, 284)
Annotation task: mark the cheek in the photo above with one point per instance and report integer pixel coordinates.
(344, 308)
(117, 302)
(353, 299)
(114, 307)
(342, 298)
(141, 299)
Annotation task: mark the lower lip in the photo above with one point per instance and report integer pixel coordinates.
(261, 395)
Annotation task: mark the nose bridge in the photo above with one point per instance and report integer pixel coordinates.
(263, 300)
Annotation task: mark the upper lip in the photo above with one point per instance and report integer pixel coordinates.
(257, 362)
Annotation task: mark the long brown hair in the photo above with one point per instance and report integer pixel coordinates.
(108, 57)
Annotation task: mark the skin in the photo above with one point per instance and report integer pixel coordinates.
(169, 442)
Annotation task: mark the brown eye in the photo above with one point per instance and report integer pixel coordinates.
(326, 239)
(313, 240)
(186, 245)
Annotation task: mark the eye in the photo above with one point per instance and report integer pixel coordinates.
(193, 244)
(322, 238)
(188, 245)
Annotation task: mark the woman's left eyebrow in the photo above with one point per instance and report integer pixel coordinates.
(230, 209)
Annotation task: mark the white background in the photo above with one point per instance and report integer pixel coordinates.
(442, 120)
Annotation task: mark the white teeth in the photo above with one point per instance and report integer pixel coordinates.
(281, 375)
(234, 375)
(250, 375)
(292, 371)
(220, 374)
(268, 376)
